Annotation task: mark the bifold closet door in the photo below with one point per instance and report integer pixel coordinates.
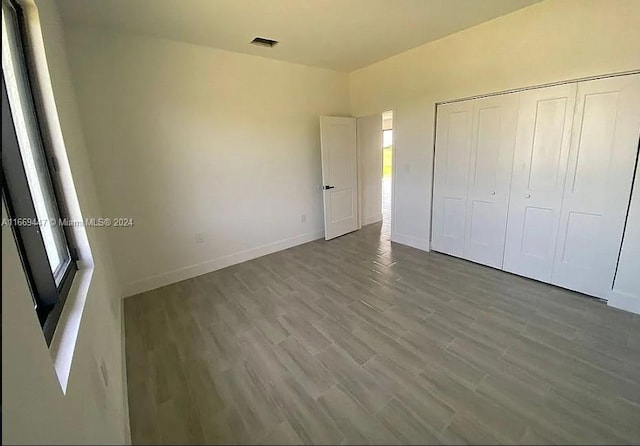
(474, 154)
(602, 159)
(492, 147)
(539, 171)
(451, 173)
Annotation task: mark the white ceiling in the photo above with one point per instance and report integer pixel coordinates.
(339, 34)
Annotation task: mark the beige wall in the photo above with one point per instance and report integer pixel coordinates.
(34, 407)
(193, 140)
(550, 41)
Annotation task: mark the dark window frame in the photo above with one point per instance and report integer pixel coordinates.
(49, 298)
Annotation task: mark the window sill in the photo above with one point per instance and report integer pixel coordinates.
(65, 337)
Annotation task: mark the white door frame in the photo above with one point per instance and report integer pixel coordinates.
(394, 151)
(393, 166)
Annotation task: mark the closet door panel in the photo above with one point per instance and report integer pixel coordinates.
(451, 173)
(602, 159)
(492, 147)
(539, 171)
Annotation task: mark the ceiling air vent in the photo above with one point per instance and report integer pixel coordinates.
(261, 41)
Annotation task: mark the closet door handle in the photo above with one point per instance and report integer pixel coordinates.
(527, 195)
(493, 192)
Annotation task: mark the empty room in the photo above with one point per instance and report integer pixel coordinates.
(320, 222)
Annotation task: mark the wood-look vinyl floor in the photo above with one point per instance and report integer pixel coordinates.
(358, 340)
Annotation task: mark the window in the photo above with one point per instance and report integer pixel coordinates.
(29, 179)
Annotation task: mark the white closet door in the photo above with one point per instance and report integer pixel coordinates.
(539, 170)
(604, 147)
(492, 148)
(451, 172)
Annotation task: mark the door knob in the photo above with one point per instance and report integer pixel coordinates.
(527, 195)
(493, 192)
(328, 187)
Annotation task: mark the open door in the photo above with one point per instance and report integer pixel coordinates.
(339, 175)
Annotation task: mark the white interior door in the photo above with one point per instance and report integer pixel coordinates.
(451, 175)
(492, 148)
(604, 147)
(339, 175)
(369, 132)
(539, 170)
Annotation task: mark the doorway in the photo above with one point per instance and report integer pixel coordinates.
(387, 169)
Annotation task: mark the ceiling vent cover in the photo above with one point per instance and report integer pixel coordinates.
(261, 41)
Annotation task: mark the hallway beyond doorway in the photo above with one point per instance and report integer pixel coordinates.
(387, 169)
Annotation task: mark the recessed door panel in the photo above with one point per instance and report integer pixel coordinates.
(538, 230)
(454, 218)
(539, 172)
(457, 151)
(482, 216)
(492, 146)
(547, 163)
(451, 173)
(487, 147)
(597, 131)
(604, 147)
(580, 230)
(341, 204)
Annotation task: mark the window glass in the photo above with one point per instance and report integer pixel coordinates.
(31, 150)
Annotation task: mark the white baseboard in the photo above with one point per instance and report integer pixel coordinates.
(370, 220)
(188, 272)
(409, 240)
(624, 301)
